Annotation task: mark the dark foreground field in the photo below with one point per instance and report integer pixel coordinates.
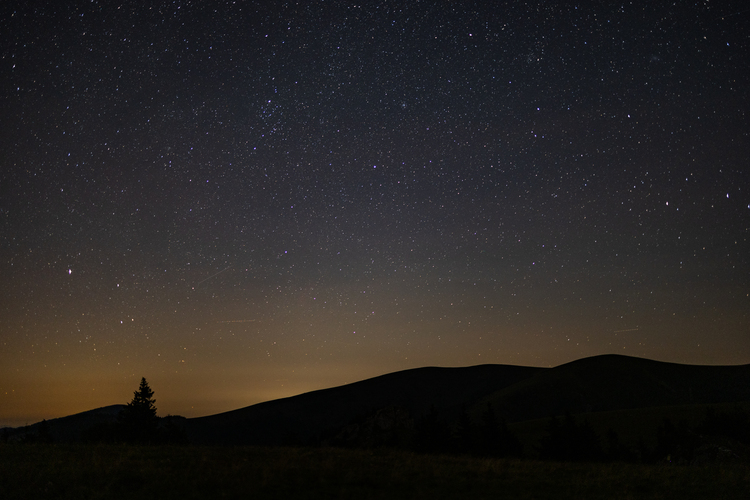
(118, 471)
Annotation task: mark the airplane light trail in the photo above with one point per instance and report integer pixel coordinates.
(215, 274)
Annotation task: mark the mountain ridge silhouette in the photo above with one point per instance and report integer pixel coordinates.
(600, 383)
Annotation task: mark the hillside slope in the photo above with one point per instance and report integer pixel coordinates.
(307, 416)
(596, 384)
(614, 382)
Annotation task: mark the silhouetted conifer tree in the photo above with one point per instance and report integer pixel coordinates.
(138, 419)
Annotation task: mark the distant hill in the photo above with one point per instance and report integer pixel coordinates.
(615, 382)
(70, 428)
(607, 383)
(596, 384)
(306, 417)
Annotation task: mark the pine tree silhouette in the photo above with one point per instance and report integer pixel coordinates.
(138, 419)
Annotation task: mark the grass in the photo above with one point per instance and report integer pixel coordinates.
(118, 471)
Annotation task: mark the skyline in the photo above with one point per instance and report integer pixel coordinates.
(242, 202)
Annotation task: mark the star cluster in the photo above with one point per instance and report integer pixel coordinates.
(243, 201)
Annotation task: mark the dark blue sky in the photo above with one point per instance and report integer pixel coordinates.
(242, 202)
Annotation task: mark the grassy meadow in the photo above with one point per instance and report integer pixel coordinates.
(124, 471)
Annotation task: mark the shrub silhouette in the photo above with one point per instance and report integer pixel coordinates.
(386, 427)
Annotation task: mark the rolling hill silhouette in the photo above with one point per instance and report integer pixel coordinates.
(615, 382)
(70, 428)
(306, 417)
(596, 384)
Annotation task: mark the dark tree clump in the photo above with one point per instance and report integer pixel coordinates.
(570, 441)
(616, 451)
(733, 424)
(45, 435)
(464, 437)
(496, 440)
(431, 433)
(675, 444)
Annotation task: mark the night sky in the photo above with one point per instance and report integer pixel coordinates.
(243, 202)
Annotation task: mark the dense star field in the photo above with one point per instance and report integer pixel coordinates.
(243, 201)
